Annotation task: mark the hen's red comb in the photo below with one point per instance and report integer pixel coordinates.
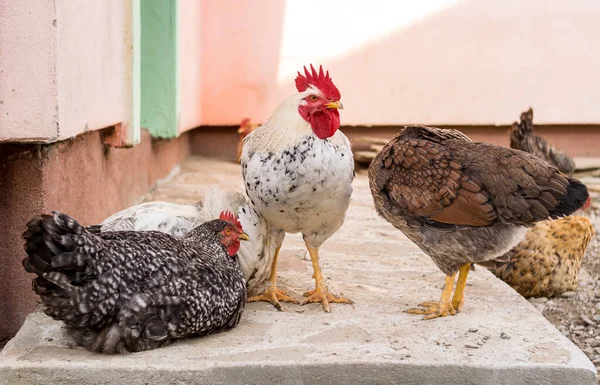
(320, 80)
(229, 217)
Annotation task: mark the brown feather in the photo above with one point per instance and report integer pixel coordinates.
(431, 182)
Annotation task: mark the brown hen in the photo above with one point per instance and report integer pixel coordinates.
(547, 262)
(246, 127)
(522, 137)
(463, 202)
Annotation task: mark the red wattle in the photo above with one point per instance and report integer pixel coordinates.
(233, 248)
(325, 123)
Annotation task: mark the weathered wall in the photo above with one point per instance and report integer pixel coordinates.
(90, 63)
(63, 69)
(577, 141)
(395, 62)
(80, 177)
(28, 89)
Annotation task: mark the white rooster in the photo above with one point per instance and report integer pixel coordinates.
(298, 171)
(255, 256)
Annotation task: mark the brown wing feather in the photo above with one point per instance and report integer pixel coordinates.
(428, 182)
(441, 176)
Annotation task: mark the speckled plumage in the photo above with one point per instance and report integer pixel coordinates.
(547, 262)
(523, 137)
(463, 202)
(298, 182)
(120, 292)
(298, 170)
(255, 256)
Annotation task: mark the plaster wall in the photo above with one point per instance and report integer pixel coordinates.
(63, 68)
(190, 51)
(442, 62)
(81, 177)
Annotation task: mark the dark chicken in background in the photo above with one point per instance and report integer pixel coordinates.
(463, 202)
(127, 291)
(523, 137)
(547, 262)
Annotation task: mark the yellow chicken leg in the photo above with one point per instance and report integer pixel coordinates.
(442, 308)
(459, 294)
(320, 293)
(272, 294)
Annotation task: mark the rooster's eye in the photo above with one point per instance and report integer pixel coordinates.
(313, 98)
(228, 231)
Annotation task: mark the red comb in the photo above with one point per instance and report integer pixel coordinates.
(229, 217)
(320, 80)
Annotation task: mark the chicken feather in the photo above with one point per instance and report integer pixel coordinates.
(478, 206)
(255, 255)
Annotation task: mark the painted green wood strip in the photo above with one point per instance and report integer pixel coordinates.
(160, 103)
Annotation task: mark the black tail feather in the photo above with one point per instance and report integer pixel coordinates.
(577, 195)
(49, 237)
(51, 247)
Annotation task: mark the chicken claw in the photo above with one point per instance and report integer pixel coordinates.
(273, 295)
(442, 308)
(434, 310)
(324, 297)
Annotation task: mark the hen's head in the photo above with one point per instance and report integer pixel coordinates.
(231, 232)
(246, 127)
(227, 230)
(320, 103)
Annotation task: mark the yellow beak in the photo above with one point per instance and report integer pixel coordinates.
(337, 105)
(244, 237)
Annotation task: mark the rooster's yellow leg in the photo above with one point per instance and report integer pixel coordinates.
(442, 308)
(320, 293)
(459, 294)
(272, 293)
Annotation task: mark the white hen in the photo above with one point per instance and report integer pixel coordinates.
(298, 170)
(255, 256)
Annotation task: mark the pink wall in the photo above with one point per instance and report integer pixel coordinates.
(438, 62)
(241, 43)
(190, 59)
(63, 68)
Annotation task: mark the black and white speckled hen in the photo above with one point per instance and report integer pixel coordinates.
(255, 256)
(298, 170)
(523, 137)
(463, 202)
(119, 292)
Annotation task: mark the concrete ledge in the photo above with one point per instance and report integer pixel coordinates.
(499, 338)
(80, 176)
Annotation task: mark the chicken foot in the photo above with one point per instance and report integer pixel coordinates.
(442, 308)
(272, 293)
(320, 293)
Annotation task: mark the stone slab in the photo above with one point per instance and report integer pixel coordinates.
(498, 338)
